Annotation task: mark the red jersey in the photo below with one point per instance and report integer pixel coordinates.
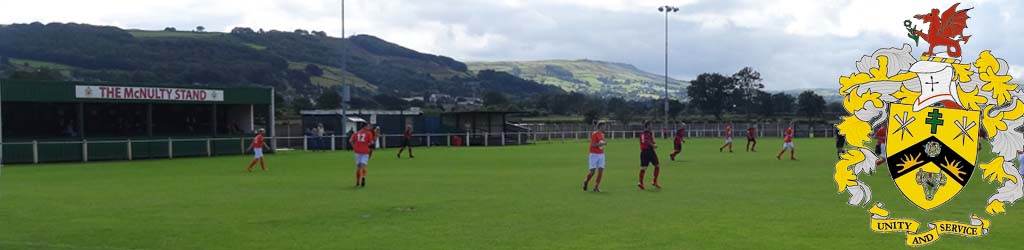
(679, 136)
(789, 135)
(408, 134)
(596, 138)
(361, 141)
(257, 142)
(728, 131)
(751, 132)
(647, 140)
(880, 135)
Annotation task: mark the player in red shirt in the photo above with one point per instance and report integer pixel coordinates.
(456, 141)
(376, 138)
(597, 144)
(751, 138)
(677, 144)
(648, 156)
(257, 150)
(728, 138)
(880, 136)
(362, 142)
(787, 143)
(406, 139)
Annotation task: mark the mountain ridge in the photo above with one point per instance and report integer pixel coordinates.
(300, 64)
(588, 76)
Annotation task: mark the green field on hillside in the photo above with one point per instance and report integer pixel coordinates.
(166, 34)
(588, 76)
(517, 197)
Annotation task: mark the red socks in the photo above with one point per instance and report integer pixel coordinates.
(360, 172)
(642, 172)
(657, 171)
(262, 166)
(252, 164)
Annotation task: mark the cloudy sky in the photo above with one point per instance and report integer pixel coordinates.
(793, 43)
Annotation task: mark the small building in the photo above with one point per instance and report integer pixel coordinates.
(391, 123)
(44, 121)
(485, 127)
(477, 128)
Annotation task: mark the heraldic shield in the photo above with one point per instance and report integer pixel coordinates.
(931, 153)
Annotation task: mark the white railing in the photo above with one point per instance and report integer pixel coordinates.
(226, 146)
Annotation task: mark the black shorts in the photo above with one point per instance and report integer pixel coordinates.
(405, 142)
(840, 144)
(648, 157)
(751, 139)
(878, 148)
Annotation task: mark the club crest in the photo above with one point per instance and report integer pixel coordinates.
(929, 115)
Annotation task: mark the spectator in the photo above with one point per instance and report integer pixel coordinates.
(319, 132)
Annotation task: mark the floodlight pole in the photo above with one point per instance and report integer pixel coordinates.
(1, 127)
(344, 68)
(666, 9)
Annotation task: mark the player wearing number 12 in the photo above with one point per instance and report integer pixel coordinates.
(361, 142)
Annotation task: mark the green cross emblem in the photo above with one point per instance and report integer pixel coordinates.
(934, 119)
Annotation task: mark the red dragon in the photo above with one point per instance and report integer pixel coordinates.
(945, 30)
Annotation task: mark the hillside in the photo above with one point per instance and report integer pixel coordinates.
(591, 77)
(300, 64)
(830, 94)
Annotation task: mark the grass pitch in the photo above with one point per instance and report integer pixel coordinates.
(517, 197)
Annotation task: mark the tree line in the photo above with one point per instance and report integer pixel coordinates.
(711, 95)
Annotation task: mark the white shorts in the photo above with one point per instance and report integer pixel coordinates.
(787, 145)
(728, 140)
(596, 161)
(882, 155)
(362, 159)
(257, 153)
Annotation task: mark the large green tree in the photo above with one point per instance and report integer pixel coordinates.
(329, 99)
(810, 105)
(495, 99)
(710, 92)
(748, 83)
(763, 104)
(782, 103)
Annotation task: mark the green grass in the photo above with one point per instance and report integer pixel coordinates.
(40, 64)
(25, 64)
(333, 76)
(166, 34)
(255, 46)
(517, 197)
(633, 82)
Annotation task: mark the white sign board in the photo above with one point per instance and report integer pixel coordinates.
(148, 93)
